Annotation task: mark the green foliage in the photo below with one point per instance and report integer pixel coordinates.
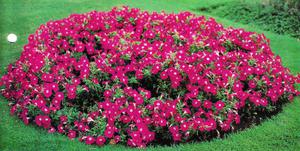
(147, 72)
(77, 55)
(282, 17)
(47, 66)
(93, 86)
(195, 49)
(291, 6)
(25, 67)
(120, 19)
(132, 20)
(99, 125)
(125, 57)
(32, 111)
(70, 112)
(118, 93)
(133, 80)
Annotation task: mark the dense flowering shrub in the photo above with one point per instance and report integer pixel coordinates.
(127, 76)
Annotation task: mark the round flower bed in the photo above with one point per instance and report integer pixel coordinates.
(133, 77)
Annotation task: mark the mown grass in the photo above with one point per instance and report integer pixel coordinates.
(22, 17)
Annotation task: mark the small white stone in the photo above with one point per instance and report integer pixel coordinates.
(12, 38)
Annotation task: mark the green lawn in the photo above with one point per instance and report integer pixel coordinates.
(22, 17)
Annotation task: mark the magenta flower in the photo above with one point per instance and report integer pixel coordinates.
(100, 140)
(219, 105)
(207, 104)
(89, 140)
(72, 134)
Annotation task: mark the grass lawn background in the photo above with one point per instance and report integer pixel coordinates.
(23, 17)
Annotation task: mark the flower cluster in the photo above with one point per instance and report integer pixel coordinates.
(128, 76)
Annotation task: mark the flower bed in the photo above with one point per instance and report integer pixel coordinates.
(133, 77)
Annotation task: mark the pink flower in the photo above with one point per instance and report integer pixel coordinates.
(89, 140)
(71, 91)
(162, 122)
(59, 96)
(72, 134)
(46, 122)
(155, 69)
(47, 92)
(46, 110)
(117, 139)
(174, 129)
(39, 120)
(109, 132)
(237, 87)
(51, 130)
(219, 105)
(176, 136)
(60, 128)
(63, 118)
(107, 93)
(47, 77)
(100, 140)
(163, 75)
(207, 104)
(184, 126)
(196, 103)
